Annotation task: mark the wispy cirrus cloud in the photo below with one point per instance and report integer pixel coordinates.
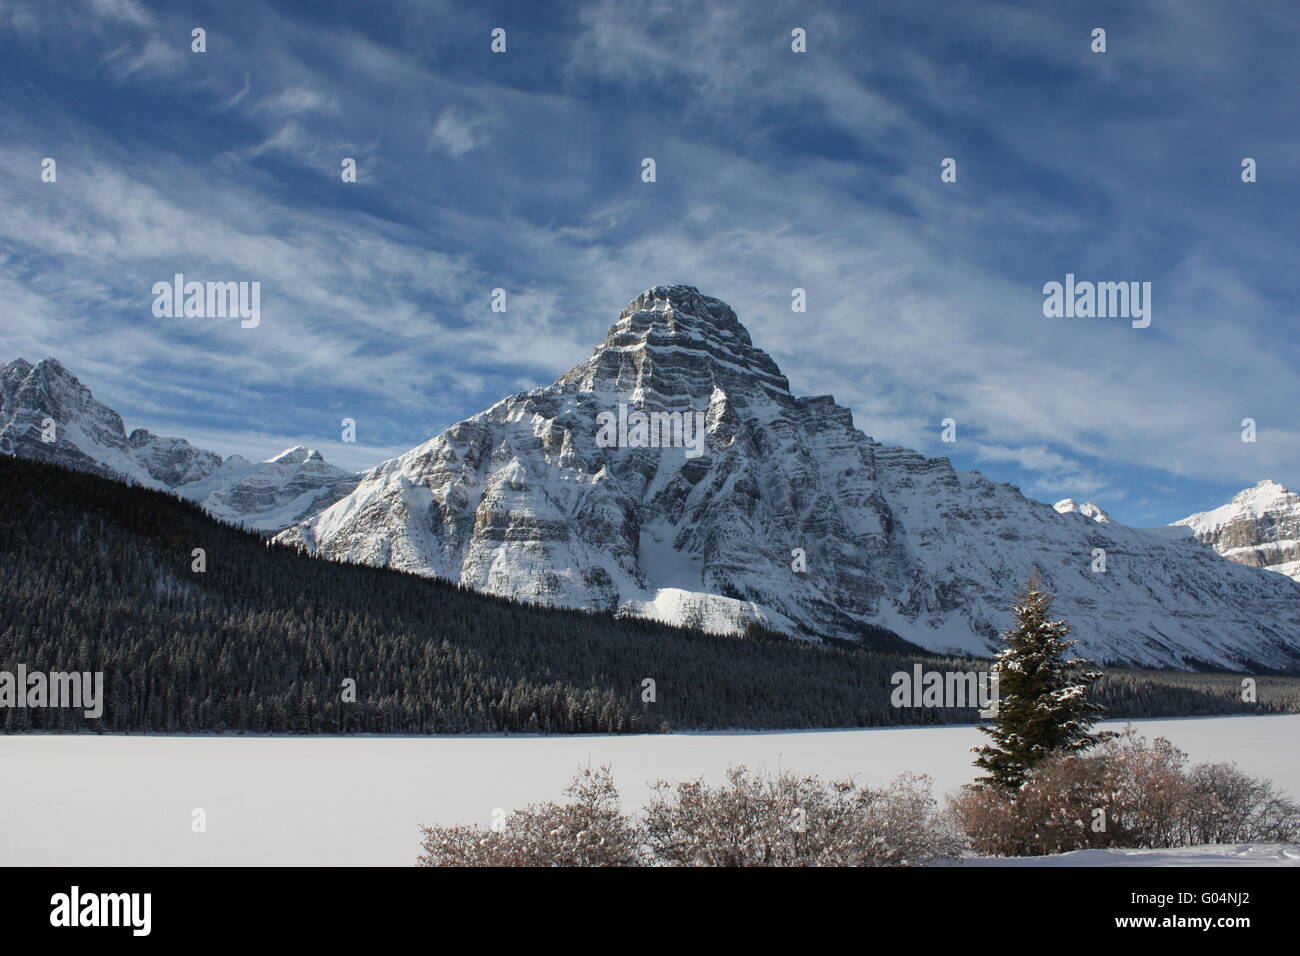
(776, 170)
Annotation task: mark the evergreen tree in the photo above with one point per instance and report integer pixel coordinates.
(1043, 706)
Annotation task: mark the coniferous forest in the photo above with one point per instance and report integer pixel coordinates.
(96, 575)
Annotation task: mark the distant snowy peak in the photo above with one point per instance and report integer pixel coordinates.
(782, 514)
(273, 494)
(296, 455)
(47, 414)
(1265, 498)
(1259, 527)
(1069, 506)
(171, 461)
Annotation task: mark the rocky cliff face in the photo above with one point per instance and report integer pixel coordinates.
(1259, 527)
(89, 436)
(784, 513)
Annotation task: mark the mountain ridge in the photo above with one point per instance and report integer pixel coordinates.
(43, 398)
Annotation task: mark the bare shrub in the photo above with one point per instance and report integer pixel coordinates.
(795, 821)
(1228, 806)
(589, 831)
(752, 820)
(1124, 793)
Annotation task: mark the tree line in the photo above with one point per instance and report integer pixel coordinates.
(96, 575)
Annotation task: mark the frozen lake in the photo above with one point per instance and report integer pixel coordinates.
(114, 800)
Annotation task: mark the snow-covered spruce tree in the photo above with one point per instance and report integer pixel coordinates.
(1043, 706)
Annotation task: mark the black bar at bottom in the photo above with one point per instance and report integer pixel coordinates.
(934, 904)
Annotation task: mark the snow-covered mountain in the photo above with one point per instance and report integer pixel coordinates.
(90, 436)
(273, 494)
(1069, 506)
(785, 514)
(1259, 527)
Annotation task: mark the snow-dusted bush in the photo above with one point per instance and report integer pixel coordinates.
(590, 830)
(750, 820)
(796, 821)
(1124, 793)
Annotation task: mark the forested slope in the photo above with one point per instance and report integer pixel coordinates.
(96, 575)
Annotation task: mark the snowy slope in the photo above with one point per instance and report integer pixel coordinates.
(523, 500)
(90, 436)
(1259, 527)
(1240, 854)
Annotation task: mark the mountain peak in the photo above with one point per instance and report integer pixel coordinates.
(685, 304)
(296, 455)
(1089, 510)
(1262, 497)
(674, 343)
(12, 376)
(1259, 527)
(51, 370)
(1267, 487)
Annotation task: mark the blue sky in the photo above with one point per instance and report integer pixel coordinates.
(775, 170)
